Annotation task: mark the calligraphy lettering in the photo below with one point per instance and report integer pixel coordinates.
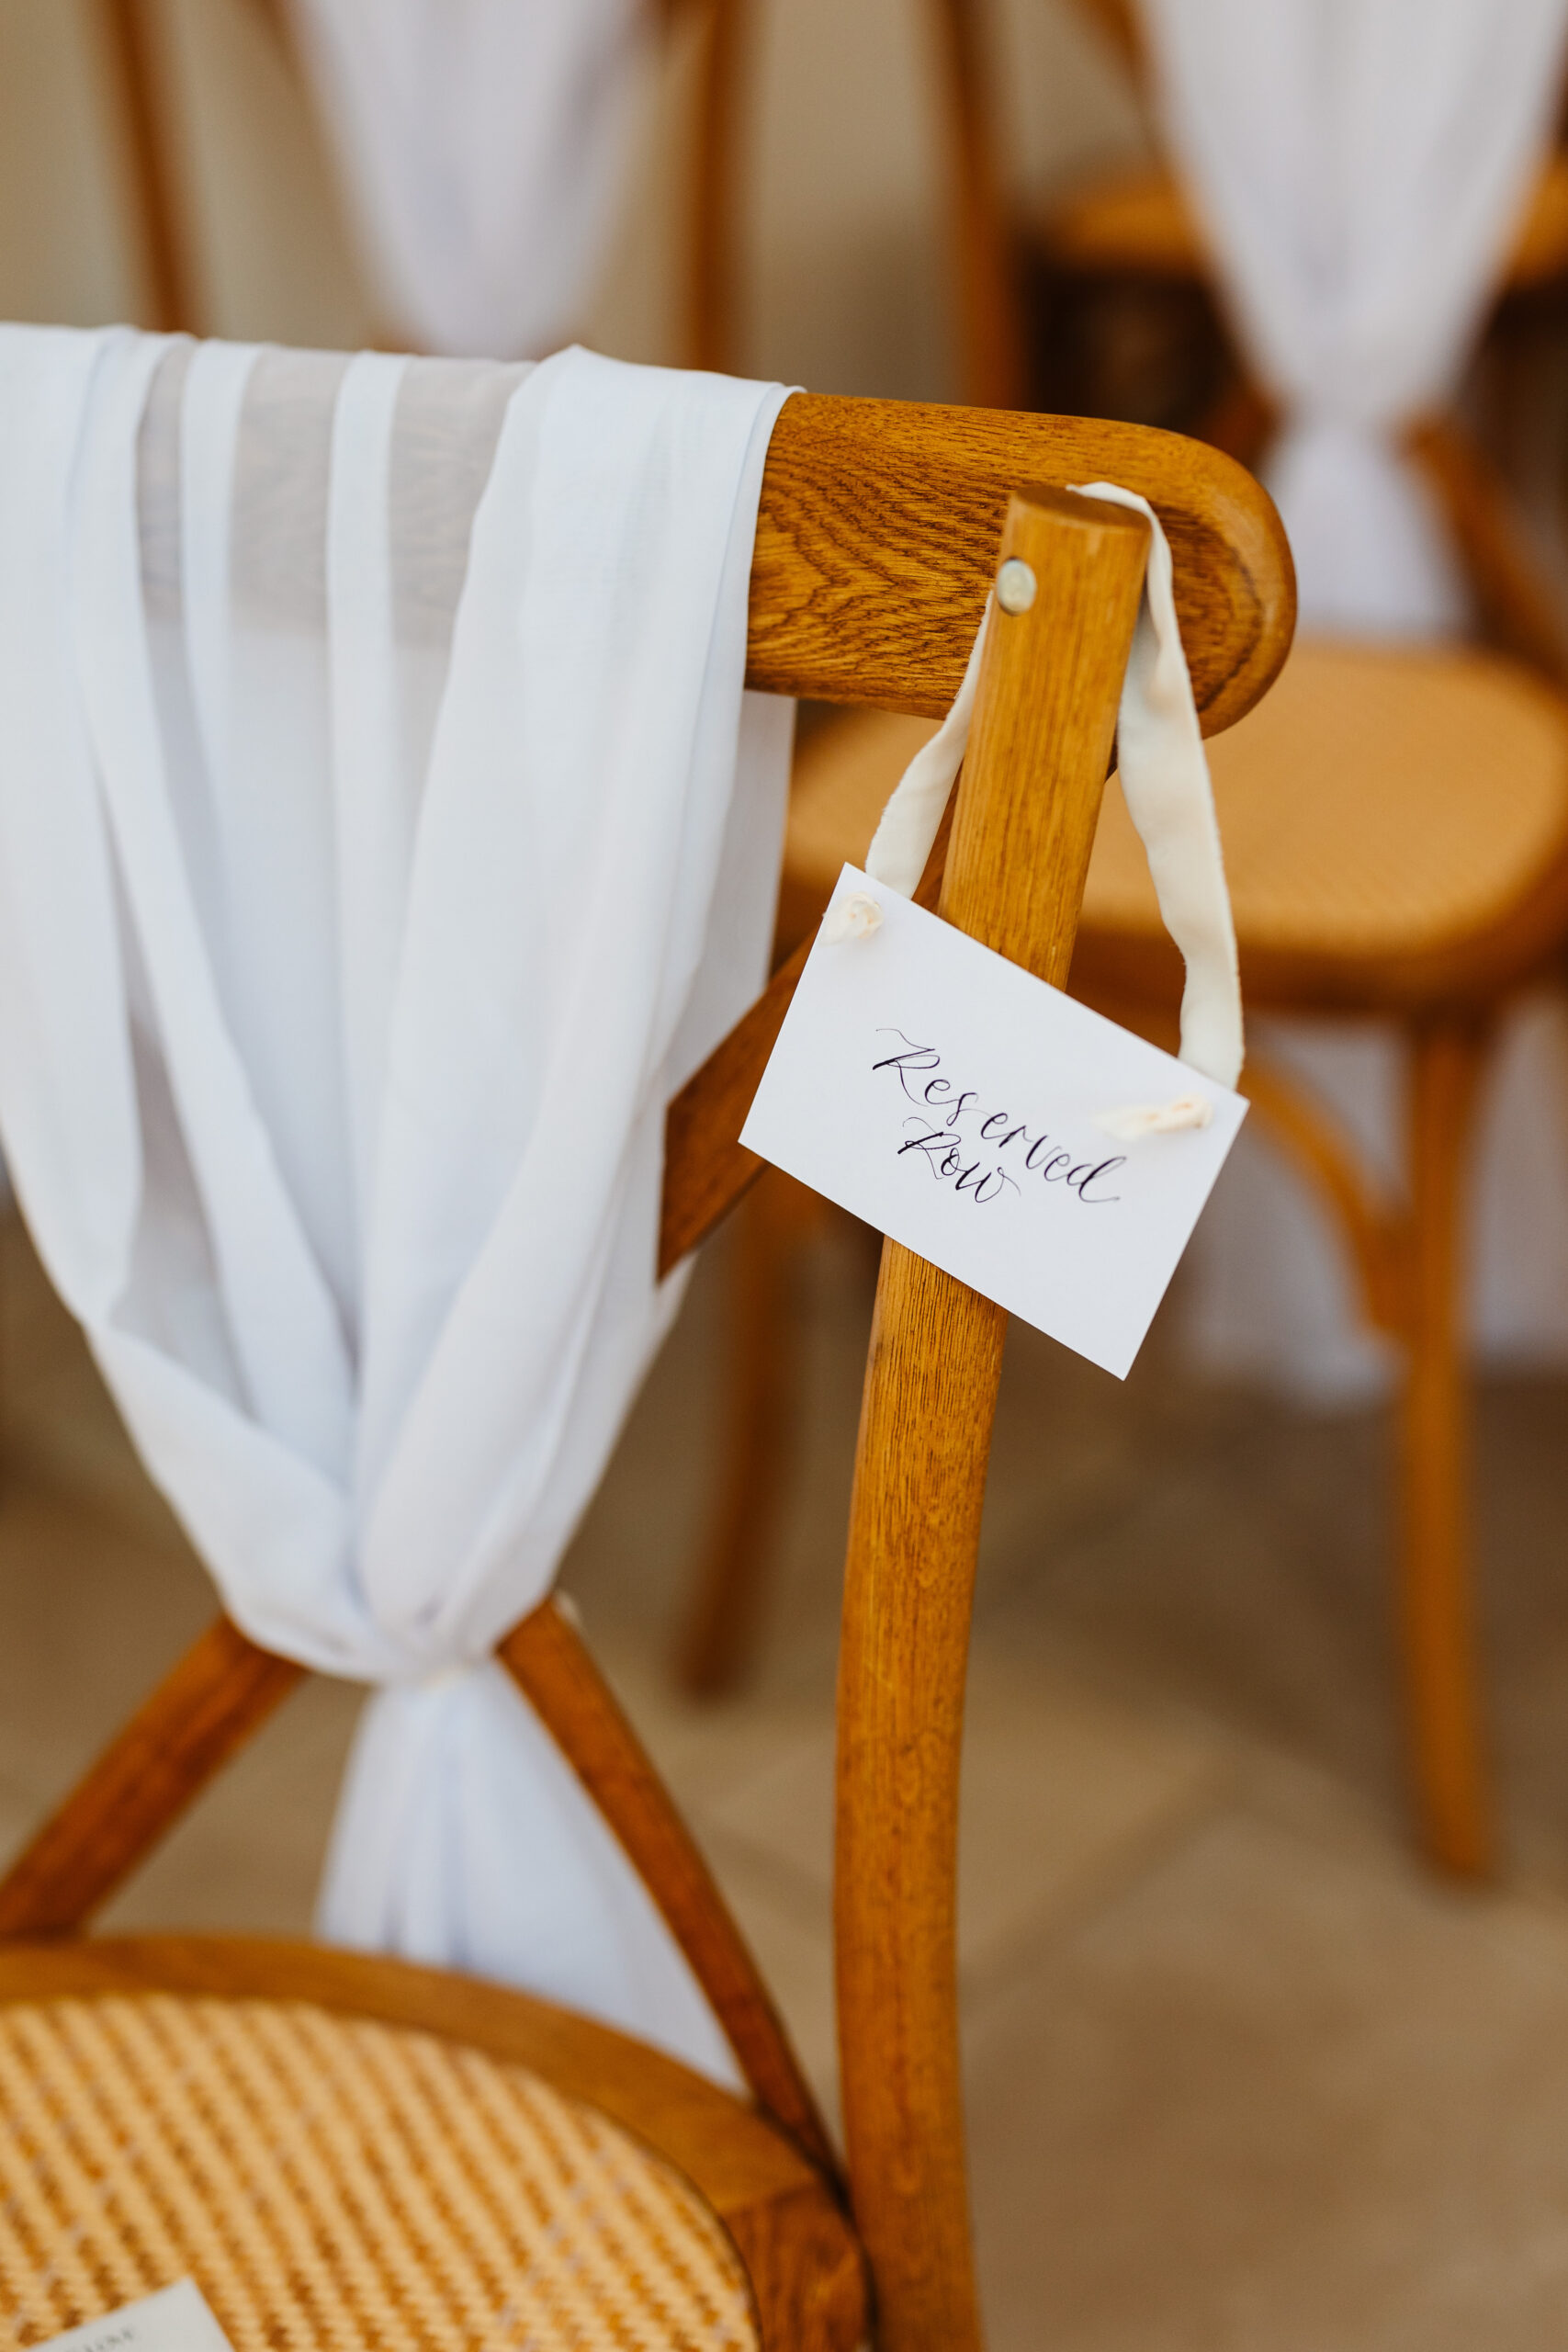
(918, 1069)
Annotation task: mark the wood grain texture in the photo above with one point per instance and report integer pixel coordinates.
(555, 1671)
(878, 535)
(787, 2225)
(207, 1707)
(1023, 829)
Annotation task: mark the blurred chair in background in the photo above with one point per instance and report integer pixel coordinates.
(482, 158)
(1395, 821)
(1125, 312)
(1361, 174)
(1405, 300)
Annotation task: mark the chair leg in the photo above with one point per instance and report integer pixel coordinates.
(1438, 1631)
(760, 1383)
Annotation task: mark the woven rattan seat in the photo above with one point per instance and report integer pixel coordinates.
(1138, 223)
(1380, 803)
(333, 2181)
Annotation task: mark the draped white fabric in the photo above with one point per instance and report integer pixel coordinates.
(481, 144)
(1361, 166)
(384, 835)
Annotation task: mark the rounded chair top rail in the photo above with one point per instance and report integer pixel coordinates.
(877, 536)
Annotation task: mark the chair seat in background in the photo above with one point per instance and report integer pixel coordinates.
(1138, 221)
(1382, 802)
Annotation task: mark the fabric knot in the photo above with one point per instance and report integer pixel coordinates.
(447, 1677)
(1371, 550)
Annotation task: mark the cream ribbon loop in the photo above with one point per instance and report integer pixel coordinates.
(1164, 781)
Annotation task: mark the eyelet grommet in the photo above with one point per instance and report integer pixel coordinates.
(1016, 585)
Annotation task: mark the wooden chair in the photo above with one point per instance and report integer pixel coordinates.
(1130, 235)
(1396, 836)
(166, 234)
(344, 2149)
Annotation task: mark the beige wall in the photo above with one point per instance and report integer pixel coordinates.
(846, 283)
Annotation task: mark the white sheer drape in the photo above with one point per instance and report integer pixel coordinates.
(1361, 166)
(482, 145)
(384, 834)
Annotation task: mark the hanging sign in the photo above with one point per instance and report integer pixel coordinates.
(1047, 1158)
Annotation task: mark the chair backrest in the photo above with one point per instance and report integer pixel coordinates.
(980, 240)
(165, 237)
(880, 528)
(1519, 608)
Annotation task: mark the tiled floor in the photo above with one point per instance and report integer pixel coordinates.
(1242, 2075)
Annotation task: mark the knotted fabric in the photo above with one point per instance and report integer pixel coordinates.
(1359, 166)
(481, 145)
(384, 836)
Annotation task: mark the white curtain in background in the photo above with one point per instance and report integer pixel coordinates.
(1361, 168)
(482, 145)
(384, 836)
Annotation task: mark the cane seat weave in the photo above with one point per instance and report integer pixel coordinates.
(334, 2183)
(1379, 802)
(1139, 223)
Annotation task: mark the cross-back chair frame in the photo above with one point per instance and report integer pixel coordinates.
(881, 611)
(165, 238)
(1519, 610)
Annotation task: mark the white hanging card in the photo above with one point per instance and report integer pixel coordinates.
(1044, 1156)
(177, 2319)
